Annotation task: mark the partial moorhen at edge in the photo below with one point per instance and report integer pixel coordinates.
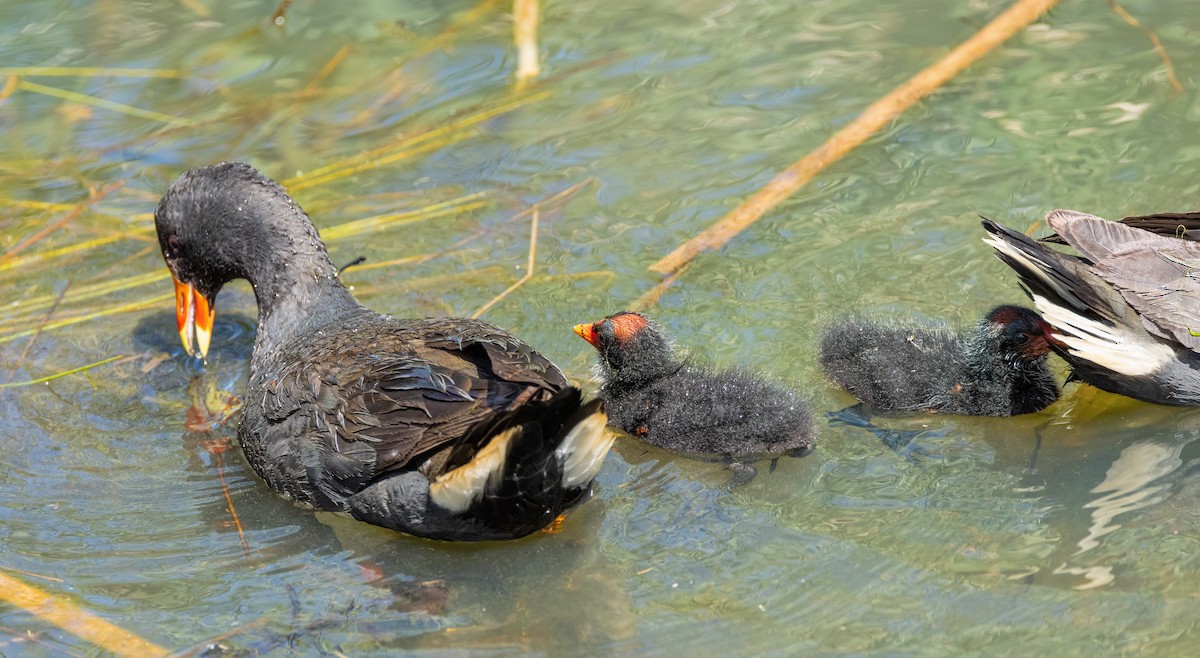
(1125, 314)
(996, 369)
(1182, 225)
(725, 416)
(443, 428)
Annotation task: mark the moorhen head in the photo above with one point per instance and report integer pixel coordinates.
(996, 369)
(1124, 313)
(654, 395)
(444, 428)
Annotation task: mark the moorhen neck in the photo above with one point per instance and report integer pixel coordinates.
(654, 395)
(996, 369)
(444, 428)
(1124, 313)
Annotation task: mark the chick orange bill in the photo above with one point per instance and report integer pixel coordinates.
(194, 314)
(588, 333)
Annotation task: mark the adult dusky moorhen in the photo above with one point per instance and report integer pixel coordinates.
(443, 428)
(728, 416)
(998, 368)
(1126, 311)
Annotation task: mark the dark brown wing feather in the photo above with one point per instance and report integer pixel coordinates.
(398, 395)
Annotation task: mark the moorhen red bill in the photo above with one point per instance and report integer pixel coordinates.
(1125, 313)
(998, 368)
(443, 428)
(727, 416)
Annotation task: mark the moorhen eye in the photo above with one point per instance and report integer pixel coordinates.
(174, 246)
(393, 422)
(899, 366)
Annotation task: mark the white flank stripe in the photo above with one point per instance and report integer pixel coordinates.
(1115, 348)
(464, 485)
(583, 450)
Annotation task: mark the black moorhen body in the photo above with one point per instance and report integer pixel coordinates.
(996, 369)
(728, 416)
(1125, 315)
(443, 428)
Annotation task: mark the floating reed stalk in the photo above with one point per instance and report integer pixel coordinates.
(875, 117)
(93, 196)
(531, 261)
(1154, 41)
(75, 620)
(406, 146)
(124, 308)
(85, 99)
(59, 375)
(89, 72)
(525, 24)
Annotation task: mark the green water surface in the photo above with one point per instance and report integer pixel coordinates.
(1068, 532)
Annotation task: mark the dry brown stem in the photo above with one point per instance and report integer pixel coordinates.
(875, 117)
(1154, 41)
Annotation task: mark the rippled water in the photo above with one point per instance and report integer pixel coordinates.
(1069, 532)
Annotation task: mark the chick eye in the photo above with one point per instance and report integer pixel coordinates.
(605, 329)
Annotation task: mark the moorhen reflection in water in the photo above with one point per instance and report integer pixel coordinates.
(443, 428)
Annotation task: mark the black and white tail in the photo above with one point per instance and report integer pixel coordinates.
(524, 465)
(1094, 328)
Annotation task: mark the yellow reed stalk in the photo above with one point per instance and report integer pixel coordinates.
(379, 156)
(45, 319)
(530, 262)
(329, 68)
(75, 620)
(408, 260)
(449, 207)
(876, 116)
(651, 297)
(85, 99)
(94, 195)
(460, 22)
(71, 249)
(525, 25)
(434, 281)
(10, 85)
(65, 373)
(37, 205)
(32, 574)
(58, 324)
(198, 8)
(92, 291)
(90, 72)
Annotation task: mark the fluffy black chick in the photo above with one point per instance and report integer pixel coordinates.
(998, 368)
(725, 415)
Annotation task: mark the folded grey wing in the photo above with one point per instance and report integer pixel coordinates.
(1179, 225)
(1097, 238)
(1162, 286)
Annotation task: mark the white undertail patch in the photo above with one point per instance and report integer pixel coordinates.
(583, 450)
(1116, 348)
(458, 489)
